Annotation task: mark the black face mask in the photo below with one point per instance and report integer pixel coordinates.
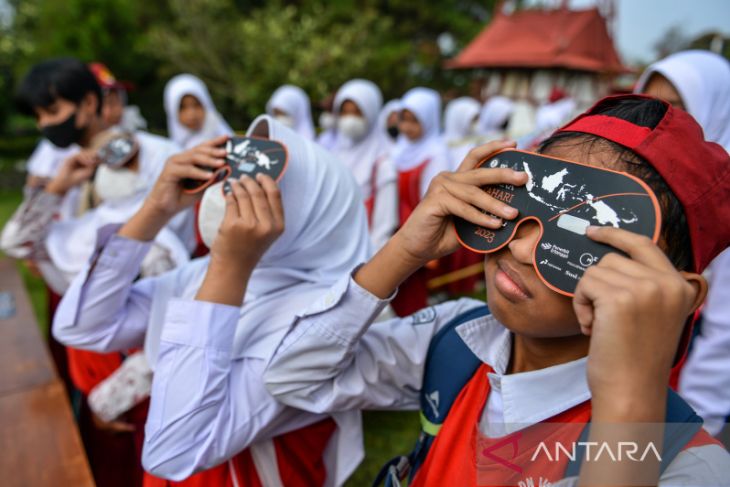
(393, 131)
(63, 134)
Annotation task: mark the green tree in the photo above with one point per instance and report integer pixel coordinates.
(244, 49)
(256, 46)
(110, 31)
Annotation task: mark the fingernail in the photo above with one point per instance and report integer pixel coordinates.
(510, 212)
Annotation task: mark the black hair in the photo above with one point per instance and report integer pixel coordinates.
(66, 78)
(645, 113)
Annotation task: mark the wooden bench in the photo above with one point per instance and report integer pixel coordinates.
(39, 441)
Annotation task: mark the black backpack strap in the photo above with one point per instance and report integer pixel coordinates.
(681, 425)
(449, 366)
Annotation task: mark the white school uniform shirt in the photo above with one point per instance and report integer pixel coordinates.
(334, 358)
(214, 124)
(70, 243)
(208, 401)
(425, 104)
(45, 161)
(46, 158)
(62, 247)
(369, 159)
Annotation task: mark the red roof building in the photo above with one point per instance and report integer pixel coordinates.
(527, 54)
(568, 39)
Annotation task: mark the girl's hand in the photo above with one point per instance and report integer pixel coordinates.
(74, 170)
(634, 308)
(167, 196)
(254, 219)
(429, 232)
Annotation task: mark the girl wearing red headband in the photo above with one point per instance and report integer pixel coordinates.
(547, 363)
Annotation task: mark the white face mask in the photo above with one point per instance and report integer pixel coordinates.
(352, 126)
(286, 120)
(211, 213)
(116, 184)
(327, 121)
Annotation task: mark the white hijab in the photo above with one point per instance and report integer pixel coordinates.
(214, 124)
(702, 79)
(458, 117)
(71, 242)
(551, 116)
(293, 101)
(458, 132)
(360, 156)
(425, 104)
(325, 237)
(495, 112)
(388, 108)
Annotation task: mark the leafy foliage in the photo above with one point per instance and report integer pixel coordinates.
(244, 49)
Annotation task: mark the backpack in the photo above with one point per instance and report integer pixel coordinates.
(450, 364)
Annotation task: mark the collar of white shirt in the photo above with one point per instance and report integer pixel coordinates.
(528, 397)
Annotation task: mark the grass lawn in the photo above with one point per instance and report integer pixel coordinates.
(387, 434)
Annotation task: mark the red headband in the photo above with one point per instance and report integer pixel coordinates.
(611, 128)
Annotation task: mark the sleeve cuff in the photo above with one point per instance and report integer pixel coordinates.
(346, 289)
(367, 295)
(116, 252)
(200, 324)
(48, 200)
